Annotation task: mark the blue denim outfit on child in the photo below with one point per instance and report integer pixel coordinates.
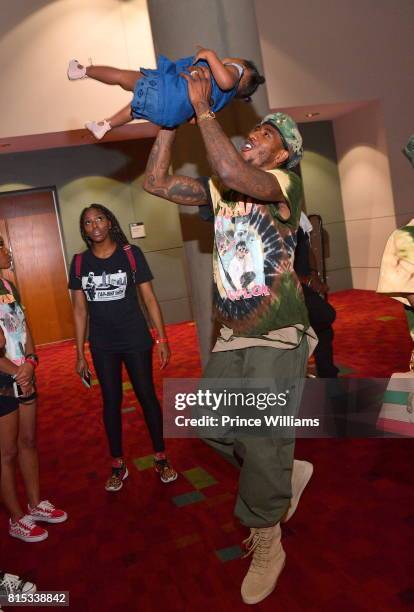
(161, 96)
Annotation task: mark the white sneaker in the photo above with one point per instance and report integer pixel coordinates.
(76, 71)
(301, 474)
(12, 585)
(98, 129)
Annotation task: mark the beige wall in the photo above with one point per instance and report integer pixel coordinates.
(39, 37)
(112, 175)
(366, 190)
(334, 52)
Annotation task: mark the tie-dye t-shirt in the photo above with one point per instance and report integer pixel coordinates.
(257, 295)
(396, 276)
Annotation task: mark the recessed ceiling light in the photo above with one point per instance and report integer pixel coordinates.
(311, 115)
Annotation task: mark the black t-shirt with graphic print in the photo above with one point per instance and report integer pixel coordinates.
(116, 321)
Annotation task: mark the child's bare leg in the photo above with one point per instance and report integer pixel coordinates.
(99, 129)
(121, 117)
(114, 76)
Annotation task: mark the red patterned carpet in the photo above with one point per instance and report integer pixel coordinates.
(371, 334)
(176, 547)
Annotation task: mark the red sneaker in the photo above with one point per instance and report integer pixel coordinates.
(26, 530)
(46, 512)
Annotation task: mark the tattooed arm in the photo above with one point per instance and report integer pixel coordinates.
(175, 188)
(227, 163)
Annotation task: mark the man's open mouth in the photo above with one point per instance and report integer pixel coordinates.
(247, 146)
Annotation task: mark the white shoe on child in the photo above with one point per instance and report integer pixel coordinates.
(98, 129)
(76, 71)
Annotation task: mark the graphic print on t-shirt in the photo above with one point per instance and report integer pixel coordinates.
(256, 290)
(13, 324)
(249, 252)
(240, 257)
(106, 287)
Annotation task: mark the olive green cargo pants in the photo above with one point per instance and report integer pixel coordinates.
(265, 462)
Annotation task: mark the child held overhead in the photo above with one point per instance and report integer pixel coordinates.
(160, 95)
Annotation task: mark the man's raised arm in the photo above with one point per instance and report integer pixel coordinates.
(226, 161)
(179, 189)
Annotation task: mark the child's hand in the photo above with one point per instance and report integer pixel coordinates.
(202, 53)
(199, 85)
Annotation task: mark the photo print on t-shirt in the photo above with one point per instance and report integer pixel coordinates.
(252, 263)
(106, 287)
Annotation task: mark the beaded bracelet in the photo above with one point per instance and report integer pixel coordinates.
(161, 341)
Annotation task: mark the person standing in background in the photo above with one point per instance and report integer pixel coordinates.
(321, 314)
(18, 361)
(396, 277)
(104, 289)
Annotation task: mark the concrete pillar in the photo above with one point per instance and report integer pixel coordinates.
(229, 27)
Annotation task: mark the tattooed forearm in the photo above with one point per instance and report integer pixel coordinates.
(158, 181)
(232, 169)
(178, 189)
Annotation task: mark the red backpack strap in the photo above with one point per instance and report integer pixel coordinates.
(133, 264)
(78, 264)
(7, 285)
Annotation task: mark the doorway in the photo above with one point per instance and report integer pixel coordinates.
(29, 224)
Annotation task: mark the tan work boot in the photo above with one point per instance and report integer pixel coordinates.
(267, 563)
(301, 474)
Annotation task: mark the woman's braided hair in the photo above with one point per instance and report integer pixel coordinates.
(115, 230)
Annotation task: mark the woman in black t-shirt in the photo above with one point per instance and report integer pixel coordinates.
(103, 282)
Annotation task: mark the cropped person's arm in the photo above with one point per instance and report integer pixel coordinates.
(151, 303)
(80, 317)
(6, 366)
(316, 282)
(24, 374)
(227, 162)
(175, 188)
(226, 77)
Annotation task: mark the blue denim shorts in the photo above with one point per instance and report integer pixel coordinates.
(146, 103)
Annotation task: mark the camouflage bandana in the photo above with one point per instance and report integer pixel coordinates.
(290, 135)
(409, 150)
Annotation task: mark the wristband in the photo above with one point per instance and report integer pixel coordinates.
(161, 341)
(31, 361)
(32, 356)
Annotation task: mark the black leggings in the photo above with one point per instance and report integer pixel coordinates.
(108, 367)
